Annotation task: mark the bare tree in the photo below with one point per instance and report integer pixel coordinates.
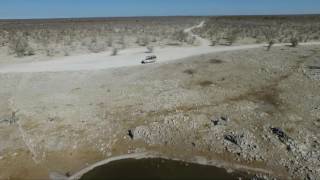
(215, 40)
(232, 37)
(95, 46)
(180, 36)
(19, 45)
(110, 41)
(294, 42)
(270, 35)
(114, 52)
(270, 44)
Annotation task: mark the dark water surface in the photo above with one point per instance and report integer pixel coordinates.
(155, 169)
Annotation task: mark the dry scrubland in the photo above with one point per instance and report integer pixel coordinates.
(255, 110)
(81, 36)
(258, 29)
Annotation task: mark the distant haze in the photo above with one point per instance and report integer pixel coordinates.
(24, 9)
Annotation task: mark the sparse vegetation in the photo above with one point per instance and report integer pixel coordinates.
(232, 36)
(270, 44)
(180, 36)
(294, 42)
(114, 52)
(19, 46)
(190, 71)
(258, 29)
(215, 40)
(54, 37)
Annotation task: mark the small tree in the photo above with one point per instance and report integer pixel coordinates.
(180, 36)
(215, 40)
(294, 42)
(270, 34)
(270, 44)
(110, 42)
(114, 52)
(19, 45)
(232, 37)
(95, 46)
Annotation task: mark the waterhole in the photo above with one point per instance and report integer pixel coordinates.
(159, 169)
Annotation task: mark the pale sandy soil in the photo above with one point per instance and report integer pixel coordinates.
(65, 121)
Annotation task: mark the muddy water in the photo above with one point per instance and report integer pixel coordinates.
(159, 169)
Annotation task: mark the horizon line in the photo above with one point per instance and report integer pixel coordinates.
(146, 16)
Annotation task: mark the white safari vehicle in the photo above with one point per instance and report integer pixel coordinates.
(149, 59)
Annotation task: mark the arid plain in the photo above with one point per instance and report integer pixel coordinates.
(242, 93)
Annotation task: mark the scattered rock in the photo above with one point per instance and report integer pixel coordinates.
(233, 138)
(283, 137)
(130, 133)
(224, 118)
(220, 121)
(310, 177)
(189, 71)
(205, 83)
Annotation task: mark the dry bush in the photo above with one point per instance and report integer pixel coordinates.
(270, 44)
(114, 52)
(190, 71)
(215, 40)
(294, 42)
(232, 37)
(180, 36)
(19, 45)
(270, 34)
(96, 46)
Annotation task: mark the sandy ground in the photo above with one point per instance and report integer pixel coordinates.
(63, 122)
